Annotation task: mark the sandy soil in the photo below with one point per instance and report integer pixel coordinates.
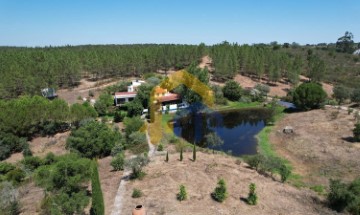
(161, 184)
(82, 90)
(109, 181)
(30, 199)
(321, 146)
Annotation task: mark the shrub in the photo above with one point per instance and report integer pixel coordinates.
(16, 176)
(137, 142)
(32, 163)
(6, 167)
(182, 195)
(285, 172)
(132, 125)
(341, 93)
(355, 96)
(136, 193)
(118, 162)
(26, 150)
(9, 204)
(309, 96)
(118, 148)
(252, 197)
(93, 140)
(356, 132)
(254, 160)
(339, 196)
(160, 147)
(136, 164)
(49, 158)
(220, 193)
(232, 90)
(97, 203)
(167, 157)
(9, 144)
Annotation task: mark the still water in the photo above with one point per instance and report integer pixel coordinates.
(237, 128)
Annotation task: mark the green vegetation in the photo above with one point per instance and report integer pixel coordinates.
(136, 193)
(194, 153)
(232, 91)
(341, 93)
(182, 195)
(356, 132)
(220, 192)
(137, 143)
(93, 140)
(213, 140)
(104, 104)
(9, 202)
(345, 196)
(97, 202)
(181, 153)
(118, 162)
(27, 70)
(136, 164)
(167, 157)
(160, 147)
(309, 96)
(252, 198)
(65, 184)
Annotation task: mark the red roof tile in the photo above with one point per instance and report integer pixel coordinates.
(170, 97)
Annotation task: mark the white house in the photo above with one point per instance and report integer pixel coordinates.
(121, 98)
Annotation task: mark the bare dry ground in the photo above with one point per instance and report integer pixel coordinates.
(109, 181)
(30, 199)
(161, 184)
(40, 146)
(280, 88)
(321, 146)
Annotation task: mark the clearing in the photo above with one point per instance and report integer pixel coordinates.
(161, 184)
(320, 147)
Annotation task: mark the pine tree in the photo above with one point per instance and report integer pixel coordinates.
(182, 195)
(194, 152)
(252, 197)
(167, 157)
(97, 207)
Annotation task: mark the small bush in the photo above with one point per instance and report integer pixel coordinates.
(49, 158)
(285, 172)
(16, 176)
(118, 162)
(136, 193)
(254, 160)
(26, 150)
(32, 163)
(252, 197)
(356, 132)
(160, 147)
(220, 192)
(6, 167)
(136, 164)
(182, 195)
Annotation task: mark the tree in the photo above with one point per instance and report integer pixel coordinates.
(316, 68)
(167, 157)
(356, 132)
(232, 91)
(309, 96)
(93, 140)
(181, 153)
(345, 43)
(252, 197)
(194, 152)
(97, 203)
(103, 104)
(134, 108)
(213, 140)
(341, 93)
(220, 192)
(182, 195)
(132, 125)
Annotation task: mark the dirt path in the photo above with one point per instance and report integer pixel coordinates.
(118, 202)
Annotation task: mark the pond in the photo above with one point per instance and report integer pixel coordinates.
(236, 128)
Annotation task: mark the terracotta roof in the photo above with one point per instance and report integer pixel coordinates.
(125, 93)
(159, 90)
(170, 97)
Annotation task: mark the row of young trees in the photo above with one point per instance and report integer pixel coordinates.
(263, 60)
(27, 70)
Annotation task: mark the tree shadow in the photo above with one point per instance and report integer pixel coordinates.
(243, 199)
(349, 139)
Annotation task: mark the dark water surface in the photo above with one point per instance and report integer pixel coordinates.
(237, 128)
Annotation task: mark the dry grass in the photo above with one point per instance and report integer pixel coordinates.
(161, 184)
(321, 146)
